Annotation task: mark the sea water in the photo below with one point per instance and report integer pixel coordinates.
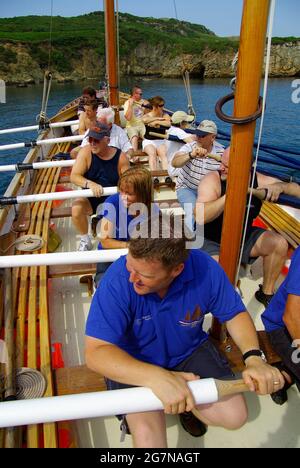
(22, 105)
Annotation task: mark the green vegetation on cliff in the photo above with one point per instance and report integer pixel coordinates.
(87, 31)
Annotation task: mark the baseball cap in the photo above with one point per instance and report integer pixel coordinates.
(205, 127)
(181, 116)
(99, 131)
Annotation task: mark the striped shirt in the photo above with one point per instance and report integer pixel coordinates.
(195, 169)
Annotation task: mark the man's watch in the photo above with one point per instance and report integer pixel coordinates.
(255, 352)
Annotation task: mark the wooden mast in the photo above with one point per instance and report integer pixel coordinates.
(111, 55)
(250, 63)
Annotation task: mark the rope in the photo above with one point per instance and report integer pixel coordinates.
(118, 41)
(267, 70)
(30, 383)
(42, 118)
(28, 243)
(50, 36)
(186, 76)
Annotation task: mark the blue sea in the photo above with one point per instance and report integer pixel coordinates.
(23, 104)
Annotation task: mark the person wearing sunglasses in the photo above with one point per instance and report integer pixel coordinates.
(194, 164)
(98, 165)
(157, 121)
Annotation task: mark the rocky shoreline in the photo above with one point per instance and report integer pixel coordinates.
(144, 61)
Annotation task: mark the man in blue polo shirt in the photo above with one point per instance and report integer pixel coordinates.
(282, 323)
(145, 329)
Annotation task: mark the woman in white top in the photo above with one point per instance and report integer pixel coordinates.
(156, 121)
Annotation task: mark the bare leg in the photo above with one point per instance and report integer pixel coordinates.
(273, 248)
(151, 151)
(162, 153)
(230, 412)
(148, 429)
(81, 209)
(135, 143)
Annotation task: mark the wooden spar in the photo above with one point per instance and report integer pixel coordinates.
(110, 47)
(251, 56)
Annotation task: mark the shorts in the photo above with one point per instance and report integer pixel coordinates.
(156, 143)
(100, 270)
(206, 361)
(137, 131)
(281, 341)
(95, 202)
(213, 248)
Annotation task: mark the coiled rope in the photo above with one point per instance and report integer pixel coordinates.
(30, 383)
(28, 243)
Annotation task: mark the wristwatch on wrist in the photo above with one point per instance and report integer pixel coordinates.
(255, 352)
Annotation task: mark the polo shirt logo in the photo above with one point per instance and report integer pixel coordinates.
(192, 320)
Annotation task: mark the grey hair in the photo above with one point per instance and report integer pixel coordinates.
(108, 113)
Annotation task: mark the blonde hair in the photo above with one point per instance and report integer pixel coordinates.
(140, 180)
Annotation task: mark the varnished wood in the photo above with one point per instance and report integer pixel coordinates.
(250, 63)
(79, 379)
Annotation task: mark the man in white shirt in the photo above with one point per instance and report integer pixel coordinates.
(194, 165)
(180, 121)
(118, 136)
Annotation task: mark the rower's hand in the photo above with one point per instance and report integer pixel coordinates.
(97, 189)
(261, 377)
(273, 191)
(198, 152)
(173, 391)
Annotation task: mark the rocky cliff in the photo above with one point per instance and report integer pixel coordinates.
(19, 65)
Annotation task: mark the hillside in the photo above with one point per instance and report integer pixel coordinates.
(148, 46)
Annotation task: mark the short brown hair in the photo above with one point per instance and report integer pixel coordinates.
(156, 101)
(91, 103)
(170, 250)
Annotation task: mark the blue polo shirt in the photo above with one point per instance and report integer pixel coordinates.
(124, 224)
(273, 315)
(162, 331)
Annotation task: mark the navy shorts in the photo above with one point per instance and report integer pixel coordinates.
(206, 361)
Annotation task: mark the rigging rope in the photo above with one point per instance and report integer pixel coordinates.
(118, 42)
(50, 36)
(30, 384)
(186, 77)
(267, 70)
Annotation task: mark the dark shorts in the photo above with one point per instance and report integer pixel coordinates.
(95, 202)
(100, 270)
(206, 361)
(281, 341)
(213, 248)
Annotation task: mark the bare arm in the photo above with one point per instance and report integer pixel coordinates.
(123, 163)
(258, 375)
(170, 387)
(82, 126)
(275, 187)
(80, 168)
(106, 236)
(291, 317)
(209, 194)
(182, 158)
(129, 109)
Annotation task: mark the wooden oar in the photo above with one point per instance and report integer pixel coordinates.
(107, 403)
